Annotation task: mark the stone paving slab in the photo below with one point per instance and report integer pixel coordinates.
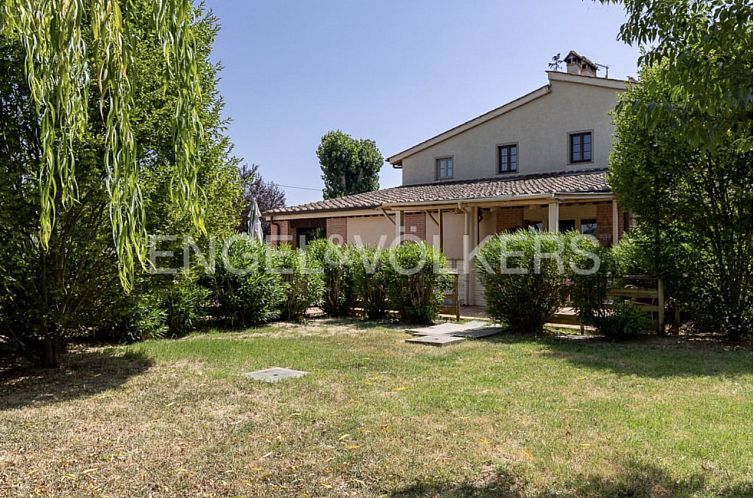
(575, 337)
(478, 333)
(448, 328)
(275, 374)
(435, 340)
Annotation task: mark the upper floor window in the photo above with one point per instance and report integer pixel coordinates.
(581, 147)
(507, 158)
(444, 168)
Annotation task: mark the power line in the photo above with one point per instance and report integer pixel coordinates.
(299, 188)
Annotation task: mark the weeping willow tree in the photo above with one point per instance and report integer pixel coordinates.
(59, 67)
(77, 168)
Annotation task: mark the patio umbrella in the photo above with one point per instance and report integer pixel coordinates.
(255, 222)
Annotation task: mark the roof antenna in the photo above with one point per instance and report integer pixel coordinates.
(607, 69)
(556, 62)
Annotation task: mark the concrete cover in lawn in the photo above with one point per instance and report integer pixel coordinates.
(275, 374)
(451, 333)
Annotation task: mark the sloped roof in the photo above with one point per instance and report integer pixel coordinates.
(576, 182)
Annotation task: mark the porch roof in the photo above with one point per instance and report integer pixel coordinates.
(592, 181)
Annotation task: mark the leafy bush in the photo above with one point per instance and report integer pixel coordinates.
(246, 288)
(622, 321)
(303, 283)
(524, 275)
(677, 262)
(149, 320)
(415, 277)
(183, 301)
(589, 293)
(137, 316)
(334, 260)
(588, 290)
(368, 270)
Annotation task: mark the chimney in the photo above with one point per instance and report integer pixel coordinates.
(580, 65)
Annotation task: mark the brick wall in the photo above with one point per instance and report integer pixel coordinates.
(415, 226)
(280, 232)
(509, 219)
(337, 230)
(605, 223)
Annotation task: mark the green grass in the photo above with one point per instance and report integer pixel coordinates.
(511, 416)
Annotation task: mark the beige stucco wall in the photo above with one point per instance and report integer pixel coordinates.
(540, 128)
(453, 225)
(486, 225)
(371, 231)
(433, 229)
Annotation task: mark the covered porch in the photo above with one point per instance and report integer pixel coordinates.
(459, 229)
(457, 217)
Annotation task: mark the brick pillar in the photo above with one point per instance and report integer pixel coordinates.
(279, 230)
(509, 219)
(416, 226)
(337, 230)
(605, 223)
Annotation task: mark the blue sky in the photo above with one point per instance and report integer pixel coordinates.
(397, 72)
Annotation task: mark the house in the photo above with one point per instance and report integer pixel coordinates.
(539, 161)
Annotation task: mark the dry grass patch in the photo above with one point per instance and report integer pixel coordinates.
(376, 416)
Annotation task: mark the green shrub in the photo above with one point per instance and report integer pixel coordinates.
(246, 287)
(303, 283)
(623, 320)
(589, 290)
(415, 276)
(523, 285)
(676, 262)
(334, 260)
(150, 319)
(619, 319)
(368, 272)
(183, 300)
(138, 316)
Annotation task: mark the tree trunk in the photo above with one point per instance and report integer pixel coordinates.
(50, 357)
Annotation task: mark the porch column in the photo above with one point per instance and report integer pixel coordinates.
(475, 227)
(399, 227)
(441, 230)
(467, 226)
(553, 217)
(466, 239)
(616, 228)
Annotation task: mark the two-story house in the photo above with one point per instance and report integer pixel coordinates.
(539, 161)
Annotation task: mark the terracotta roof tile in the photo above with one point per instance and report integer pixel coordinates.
(585, 181)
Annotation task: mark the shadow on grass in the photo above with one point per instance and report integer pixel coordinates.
(83, 373)
(635, 480)
(647, 357)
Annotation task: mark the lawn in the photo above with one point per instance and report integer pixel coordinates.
(511, 416)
